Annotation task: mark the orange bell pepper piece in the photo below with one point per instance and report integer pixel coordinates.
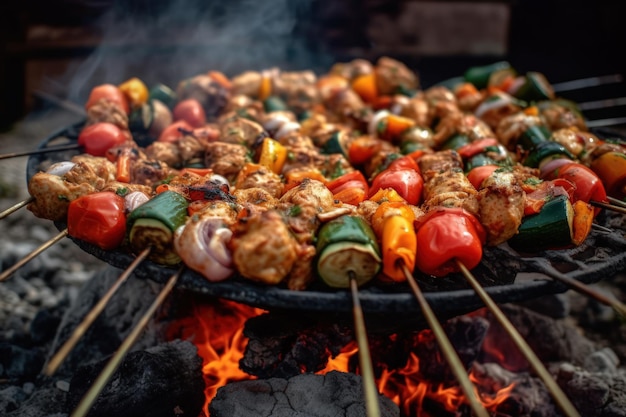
(611, 169)
(395, 125)
(399, 243)
(583, 220)
(362, 149)
(365, 86)
(273, 155)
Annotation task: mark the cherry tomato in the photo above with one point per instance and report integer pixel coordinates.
(477, 175)
(110, 93)
(98, 218)
(175, 131)
(98, 138)
(404, 162)
(191, 111)
(354, 179)
(406, 182)
(362, 149)
(588, 185)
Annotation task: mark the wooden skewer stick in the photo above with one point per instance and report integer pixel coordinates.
(601, 228)
(59, 148)
(611, 207)
(7, 273)
(576, 285)
(103, 378)
(80, 330)
(616, 202)
(365, 359)
(559, 396)
(446, 347)
(16, 207)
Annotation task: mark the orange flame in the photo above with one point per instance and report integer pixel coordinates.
(217, 331)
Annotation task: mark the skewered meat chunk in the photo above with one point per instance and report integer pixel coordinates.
(255, 199)
(101, 167)
(119, 187)
(226, 159)
(501, 201)
(241, 131)
(297, 88)
(576, 141)
(351, 70)
(211, 94)
(461, 123)
(393, 75)
(302, 273)
(511, 128)
(53, 195)
(433, 164)
(263, 248)
(558, 116)
(149, 172)
(107, 111)
(167, 152)
(84, 173)
(258, 176)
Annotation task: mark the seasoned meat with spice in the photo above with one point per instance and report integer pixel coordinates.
(241, 131)
(511, 128)
(501, 200)
(450, 189)
(255, 199)
(302, 273)
(263, 248)
(297, 89)
(433, 164)
(124, 188)
(101, 166)
(226, 159)
(576, 141)
(212, 95)
(353, 69)
(393, 76)
(167, 152)
(461, 123)
(258, 176)
(558, 116)
(303, 158)
(149, 172)
(107, 111)
(52, 195)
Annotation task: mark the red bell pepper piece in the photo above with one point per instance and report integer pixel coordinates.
(350, 188)
(589, 187)
(445, 235)
(98, 218)
(404, 177)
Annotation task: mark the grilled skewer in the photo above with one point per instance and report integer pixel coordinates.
(11, 270)
(446, 347)
(103, 378)
(559, 396)
(88, 320)
(51, 149)
(15, 207)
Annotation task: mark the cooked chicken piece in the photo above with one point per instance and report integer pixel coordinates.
(437, 94)
(247, 83)
(226, 159)
(211, 94)
(600, 149)
(496, 107)
(344, 104)
(366, 209)
(263, 248)
(371, 167)
(501, 201)
(190, 149)
(124, 188)
(351, 70)
(301, 206)
(511, 128)
(225, 210)
(318, 128)
(433, 164)
(149, 172)
(469, 101)
(107, 111)
(392, 76)
(297, 89)
(258, 176)
(461, 123)
(101, 166)
(577, 142)
(301, 158)
(302, 273)
(53, 195)
(418, 109)
(243, 106)
(255, 199)
(241, 131)
(557, 116)
(526, 177)
(166, 152)
(449, 188)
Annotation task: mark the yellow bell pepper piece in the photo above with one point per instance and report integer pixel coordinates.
(273, 155)
(399, 243)
(136, 91)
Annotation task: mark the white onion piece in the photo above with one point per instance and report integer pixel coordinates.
(549, 167)
(286, 129)
(493, 103)
(60, 168)
(373, 124)
(219, 179)
(202, 245)
(134, 200)
(275, 122)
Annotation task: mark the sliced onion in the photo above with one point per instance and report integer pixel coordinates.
(219, 179)
(275, 122)
(549, 167)
(60, 168)
(202, 244)
(286, 129)
(373, 124)
(134, 200)
(493, 103)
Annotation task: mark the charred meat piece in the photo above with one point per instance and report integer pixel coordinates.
(107, 111)
(392, 76)
(433, 164)
(258, 176)
(211, 94)
(226, 159)
(464, 124)
(263, 248)
(511, 128)
(241, 131)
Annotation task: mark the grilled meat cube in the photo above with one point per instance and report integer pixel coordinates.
(247, 83)
(432, 164)
(302, 273)
(211, 94)
(392, 76)
(226, 159)
(304, 157)
(461, 123)
(149, 172)
(263, 248)
(126, 188)
(258, 176)
(107, 111)
(241, 131)
(255, 199)
(511, 128)
(576, 141)
(557, 116)
(297, 89)
(224, 209)
(101, 166)
(167, 152)
(353, 69)
(53, 195)
(450, 189)
(501, 201)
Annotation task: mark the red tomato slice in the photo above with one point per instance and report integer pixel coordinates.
(407, 183)
(175, 131)
(98, 218)
(98, 138)
(108, 92)
(191, 111)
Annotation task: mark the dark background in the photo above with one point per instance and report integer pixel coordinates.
(64, 47)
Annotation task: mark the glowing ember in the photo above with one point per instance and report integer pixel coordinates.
(217, 331)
